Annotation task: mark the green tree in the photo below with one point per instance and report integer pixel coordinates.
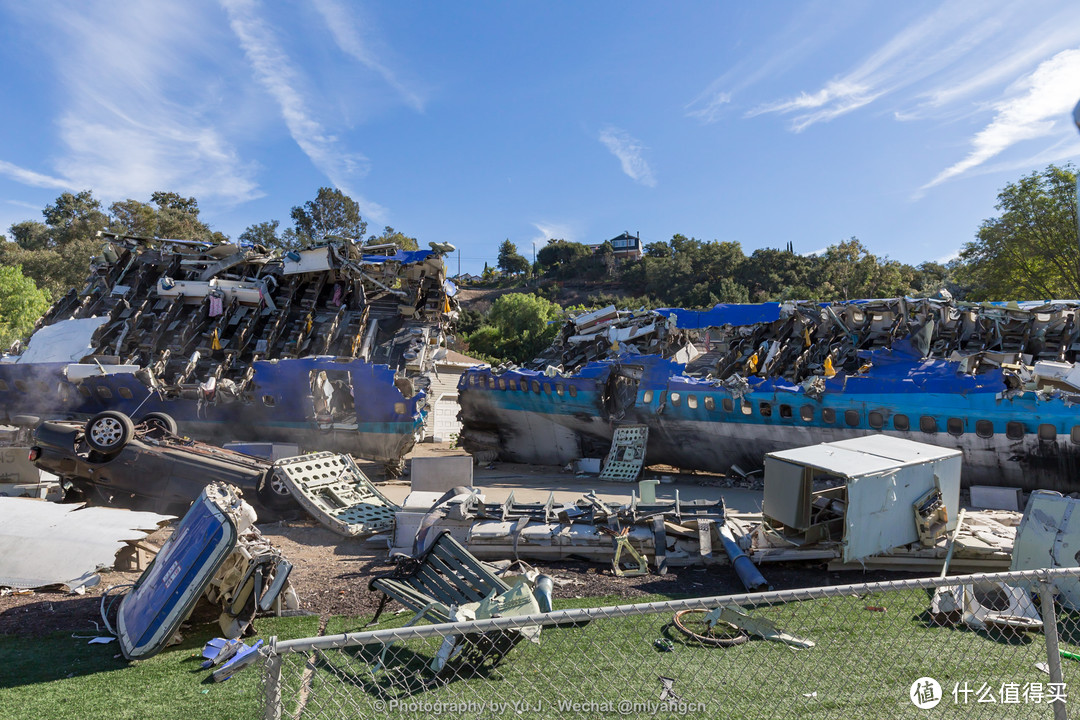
(264, 234)
(390, 235)
(1030, 250)
(561, 253)
(56, 254)
(331, 214)
(72, 218)
(21, 304)
(511, 262)
(167, 215)
(658, 250)
(517, 328)
(131, 217)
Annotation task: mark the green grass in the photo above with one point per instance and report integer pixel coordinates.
(862, 666)
(59, 677)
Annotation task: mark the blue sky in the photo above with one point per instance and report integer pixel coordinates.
(472, 122)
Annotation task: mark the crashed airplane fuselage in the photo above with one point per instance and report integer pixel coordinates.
(328, 347)
(995, 382)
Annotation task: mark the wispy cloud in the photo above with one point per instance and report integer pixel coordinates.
(133, 121)
(281, 79)
(549, 231)
(787, 48)
(1041, 100)
(628, 150)
(708, 106)
(920, 50)
(946, 259)
(29, 177)
(815, 253)
(342, 23)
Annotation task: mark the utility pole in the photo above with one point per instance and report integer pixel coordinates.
(1076, 119)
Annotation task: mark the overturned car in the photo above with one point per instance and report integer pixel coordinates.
(112, 460)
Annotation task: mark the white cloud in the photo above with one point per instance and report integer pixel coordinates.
(1041, 100)
(24, 204)
(946, 259)
(341, 21)
(786, 50)
(549, 231)
(815, 253)
(918, 51)
(133, 120)
(939, 64)
(29, 177)
(628, 150)
(282, 80)
(709, 105)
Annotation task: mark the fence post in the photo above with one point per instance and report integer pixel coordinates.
(272, 675)
(1053, 659)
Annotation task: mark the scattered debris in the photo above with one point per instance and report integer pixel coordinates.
(708, 630)
(447, 584)
(734, 615)
(667, 690)
(985, 605)
(242, 657)
(997, 498)
(44, 543)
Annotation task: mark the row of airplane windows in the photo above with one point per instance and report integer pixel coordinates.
(1014, 430)
(525, 385)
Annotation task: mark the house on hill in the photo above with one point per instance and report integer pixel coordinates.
(626, 246)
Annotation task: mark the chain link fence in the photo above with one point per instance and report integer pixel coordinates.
(976, 646)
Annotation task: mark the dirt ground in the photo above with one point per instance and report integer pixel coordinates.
(331, 575)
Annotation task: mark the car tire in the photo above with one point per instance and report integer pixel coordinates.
(108, 432)
(274, 494)
(160, 421)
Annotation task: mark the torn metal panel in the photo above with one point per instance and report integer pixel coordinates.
(1049, 537)
(66, 341)
(43, 543)
(985, 605)
(627, 455)
(337, 493)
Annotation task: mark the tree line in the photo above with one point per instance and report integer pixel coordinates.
(1028, 251)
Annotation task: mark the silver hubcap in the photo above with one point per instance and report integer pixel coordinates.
(278, 486)
(107, 431)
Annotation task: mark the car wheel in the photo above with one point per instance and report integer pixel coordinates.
(160, 421)
(274, 493)
(109, 432)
